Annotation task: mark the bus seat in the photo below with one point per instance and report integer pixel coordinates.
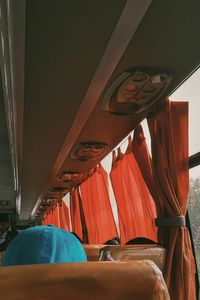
(84, 281)
(129, 252)
(92, 251)
(139, 252)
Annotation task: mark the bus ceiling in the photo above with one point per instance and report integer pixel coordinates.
(78, 76)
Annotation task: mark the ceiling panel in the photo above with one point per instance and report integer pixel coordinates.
(167, 39)
(65, 41)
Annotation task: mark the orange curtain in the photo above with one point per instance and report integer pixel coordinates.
(169, 134)
(97, 208)
(44, 221)
(56, 216)
(75, 213)
(64, 216)
(136, 207)
(144, 161)
(142, 156)
(48, 219)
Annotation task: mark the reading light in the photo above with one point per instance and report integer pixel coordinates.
(69, 177)
(136, 90)
(58, 190)
(88, 151)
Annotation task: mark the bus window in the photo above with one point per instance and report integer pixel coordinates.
(194, 212)
(189, 91)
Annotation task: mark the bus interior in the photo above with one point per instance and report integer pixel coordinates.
(78, 78)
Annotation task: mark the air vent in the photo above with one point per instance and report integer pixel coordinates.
(89, 151)
(70, 178)
(135, 90)
(49, 201)
(5, 204)
(45, 207)
(58, 190)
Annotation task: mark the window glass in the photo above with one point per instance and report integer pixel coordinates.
(190, 91)
(194, 212)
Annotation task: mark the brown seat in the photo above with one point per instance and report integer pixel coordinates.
(129, 252)
(139, 252)
(139, 280)
(92, 251)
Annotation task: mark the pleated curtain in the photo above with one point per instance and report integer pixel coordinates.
(136, 207)
(169, 135)
(97, 208)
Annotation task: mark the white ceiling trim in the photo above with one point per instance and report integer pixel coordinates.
(12, 54)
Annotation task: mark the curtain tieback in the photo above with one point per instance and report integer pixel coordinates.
(170, 221)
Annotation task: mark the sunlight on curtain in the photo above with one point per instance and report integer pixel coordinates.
(136, 208)
(97, 208)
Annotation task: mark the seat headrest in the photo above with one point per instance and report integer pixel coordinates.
(83, 281)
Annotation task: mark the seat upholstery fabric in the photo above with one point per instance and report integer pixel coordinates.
(129, 252)
(84, 281)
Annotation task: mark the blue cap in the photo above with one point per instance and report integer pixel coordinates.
(44, 244)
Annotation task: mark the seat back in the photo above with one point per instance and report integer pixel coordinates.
(83, 281)
(92, 251)
(129, 252)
